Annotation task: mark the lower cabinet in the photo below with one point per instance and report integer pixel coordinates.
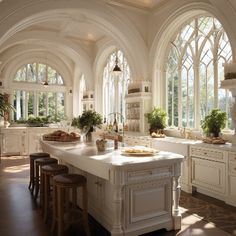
(209, 171)
(143, 200)
(14, 142)
(209, 175)
(23, 140)
(232, 179)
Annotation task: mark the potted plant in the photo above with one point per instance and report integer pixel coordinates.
(5, 108)
(157, 120)
(214, 122)
(87, 121)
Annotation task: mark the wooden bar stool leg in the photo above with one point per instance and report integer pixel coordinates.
(46, 197)
(85, 210)
(74, 197)
(31, 175)
(42, 185)
(54, 207)
(36, 182)
(60, 205)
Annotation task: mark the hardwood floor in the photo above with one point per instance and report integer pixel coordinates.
(20, 216)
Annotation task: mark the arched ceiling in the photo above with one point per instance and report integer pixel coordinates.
(82, 26)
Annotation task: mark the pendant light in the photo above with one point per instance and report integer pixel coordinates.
(45, 83)
(117, 69)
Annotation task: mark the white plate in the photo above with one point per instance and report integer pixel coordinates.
(139, 154)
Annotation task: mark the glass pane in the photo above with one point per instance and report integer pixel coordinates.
(31, 72)
(20, 104)
(61, 105)
(52, 76)
(42, 104)
(41, 73)
(31, 103)
(52, 104)
(21, 74)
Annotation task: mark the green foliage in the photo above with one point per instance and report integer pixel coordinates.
(214, 122)
(88, 119)
(5, 106)
(156, 118)
(38, 120)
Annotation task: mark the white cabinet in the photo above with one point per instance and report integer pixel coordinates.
(137, 104)
(13, 141)
(232, 179)
(209, 171)
(23, 140)
(99, 199)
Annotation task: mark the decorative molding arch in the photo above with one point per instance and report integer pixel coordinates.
(30, 56)
(107, 18)
(161, 41)
(49, 41)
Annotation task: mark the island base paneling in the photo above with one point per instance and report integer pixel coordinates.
(136, 195)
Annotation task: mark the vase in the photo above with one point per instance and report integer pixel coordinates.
(89, 137)
(101, 145)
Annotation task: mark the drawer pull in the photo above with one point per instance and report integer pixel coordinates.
(205, 153)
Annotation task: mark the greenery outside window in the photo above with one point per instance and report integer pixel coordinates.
(40, 101)
(194, 70)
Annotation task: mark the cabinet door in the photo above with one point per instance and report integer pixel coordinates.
(209, 175)
(147, 203)
(14, 143)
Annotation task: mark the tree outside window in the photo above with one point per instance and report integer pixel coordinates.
(194, 70)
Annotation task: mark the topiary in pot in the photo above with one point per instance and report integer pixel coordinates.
(214, 122)
(157, 119)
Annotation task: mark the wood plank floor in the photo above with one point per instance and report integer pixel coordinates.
(19, 215)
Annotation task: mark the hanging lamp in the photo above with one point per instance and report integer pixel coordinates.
(117, 69)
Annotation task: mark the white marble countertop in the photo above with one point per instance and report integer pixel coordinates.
(86, 157)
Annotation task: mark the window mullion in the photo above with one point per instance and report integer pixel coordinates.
(180, 97)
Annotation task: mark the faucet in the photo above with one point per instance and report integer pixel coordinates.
(123, 126)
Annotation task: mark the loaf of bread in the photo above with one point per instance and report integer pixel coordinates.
(61, 136)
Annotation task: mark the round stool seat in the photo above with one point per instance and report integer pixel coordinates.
(46, 161)
(69, 179)
(39, 155)
(33, 157)
(53, 168)
(39, 163)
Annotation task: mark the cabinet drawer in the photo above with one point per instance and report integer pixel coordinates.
(232, 157)
(232, 168)
(209, 154)
(162, 172)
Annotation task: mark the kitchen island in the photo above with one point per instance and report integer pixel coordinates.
(128, 195)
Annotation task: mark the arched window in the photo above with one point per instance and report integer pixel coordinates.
(194, 70)
(115, 86)
(32, 98)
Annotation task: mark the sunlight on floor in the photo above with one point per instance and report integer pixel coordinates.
(14, 157)
(16, 169)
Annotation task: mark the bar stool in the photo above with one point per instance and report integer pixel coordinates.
(47, 172)
(33, 157)
(62, 184)
(38, 164)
